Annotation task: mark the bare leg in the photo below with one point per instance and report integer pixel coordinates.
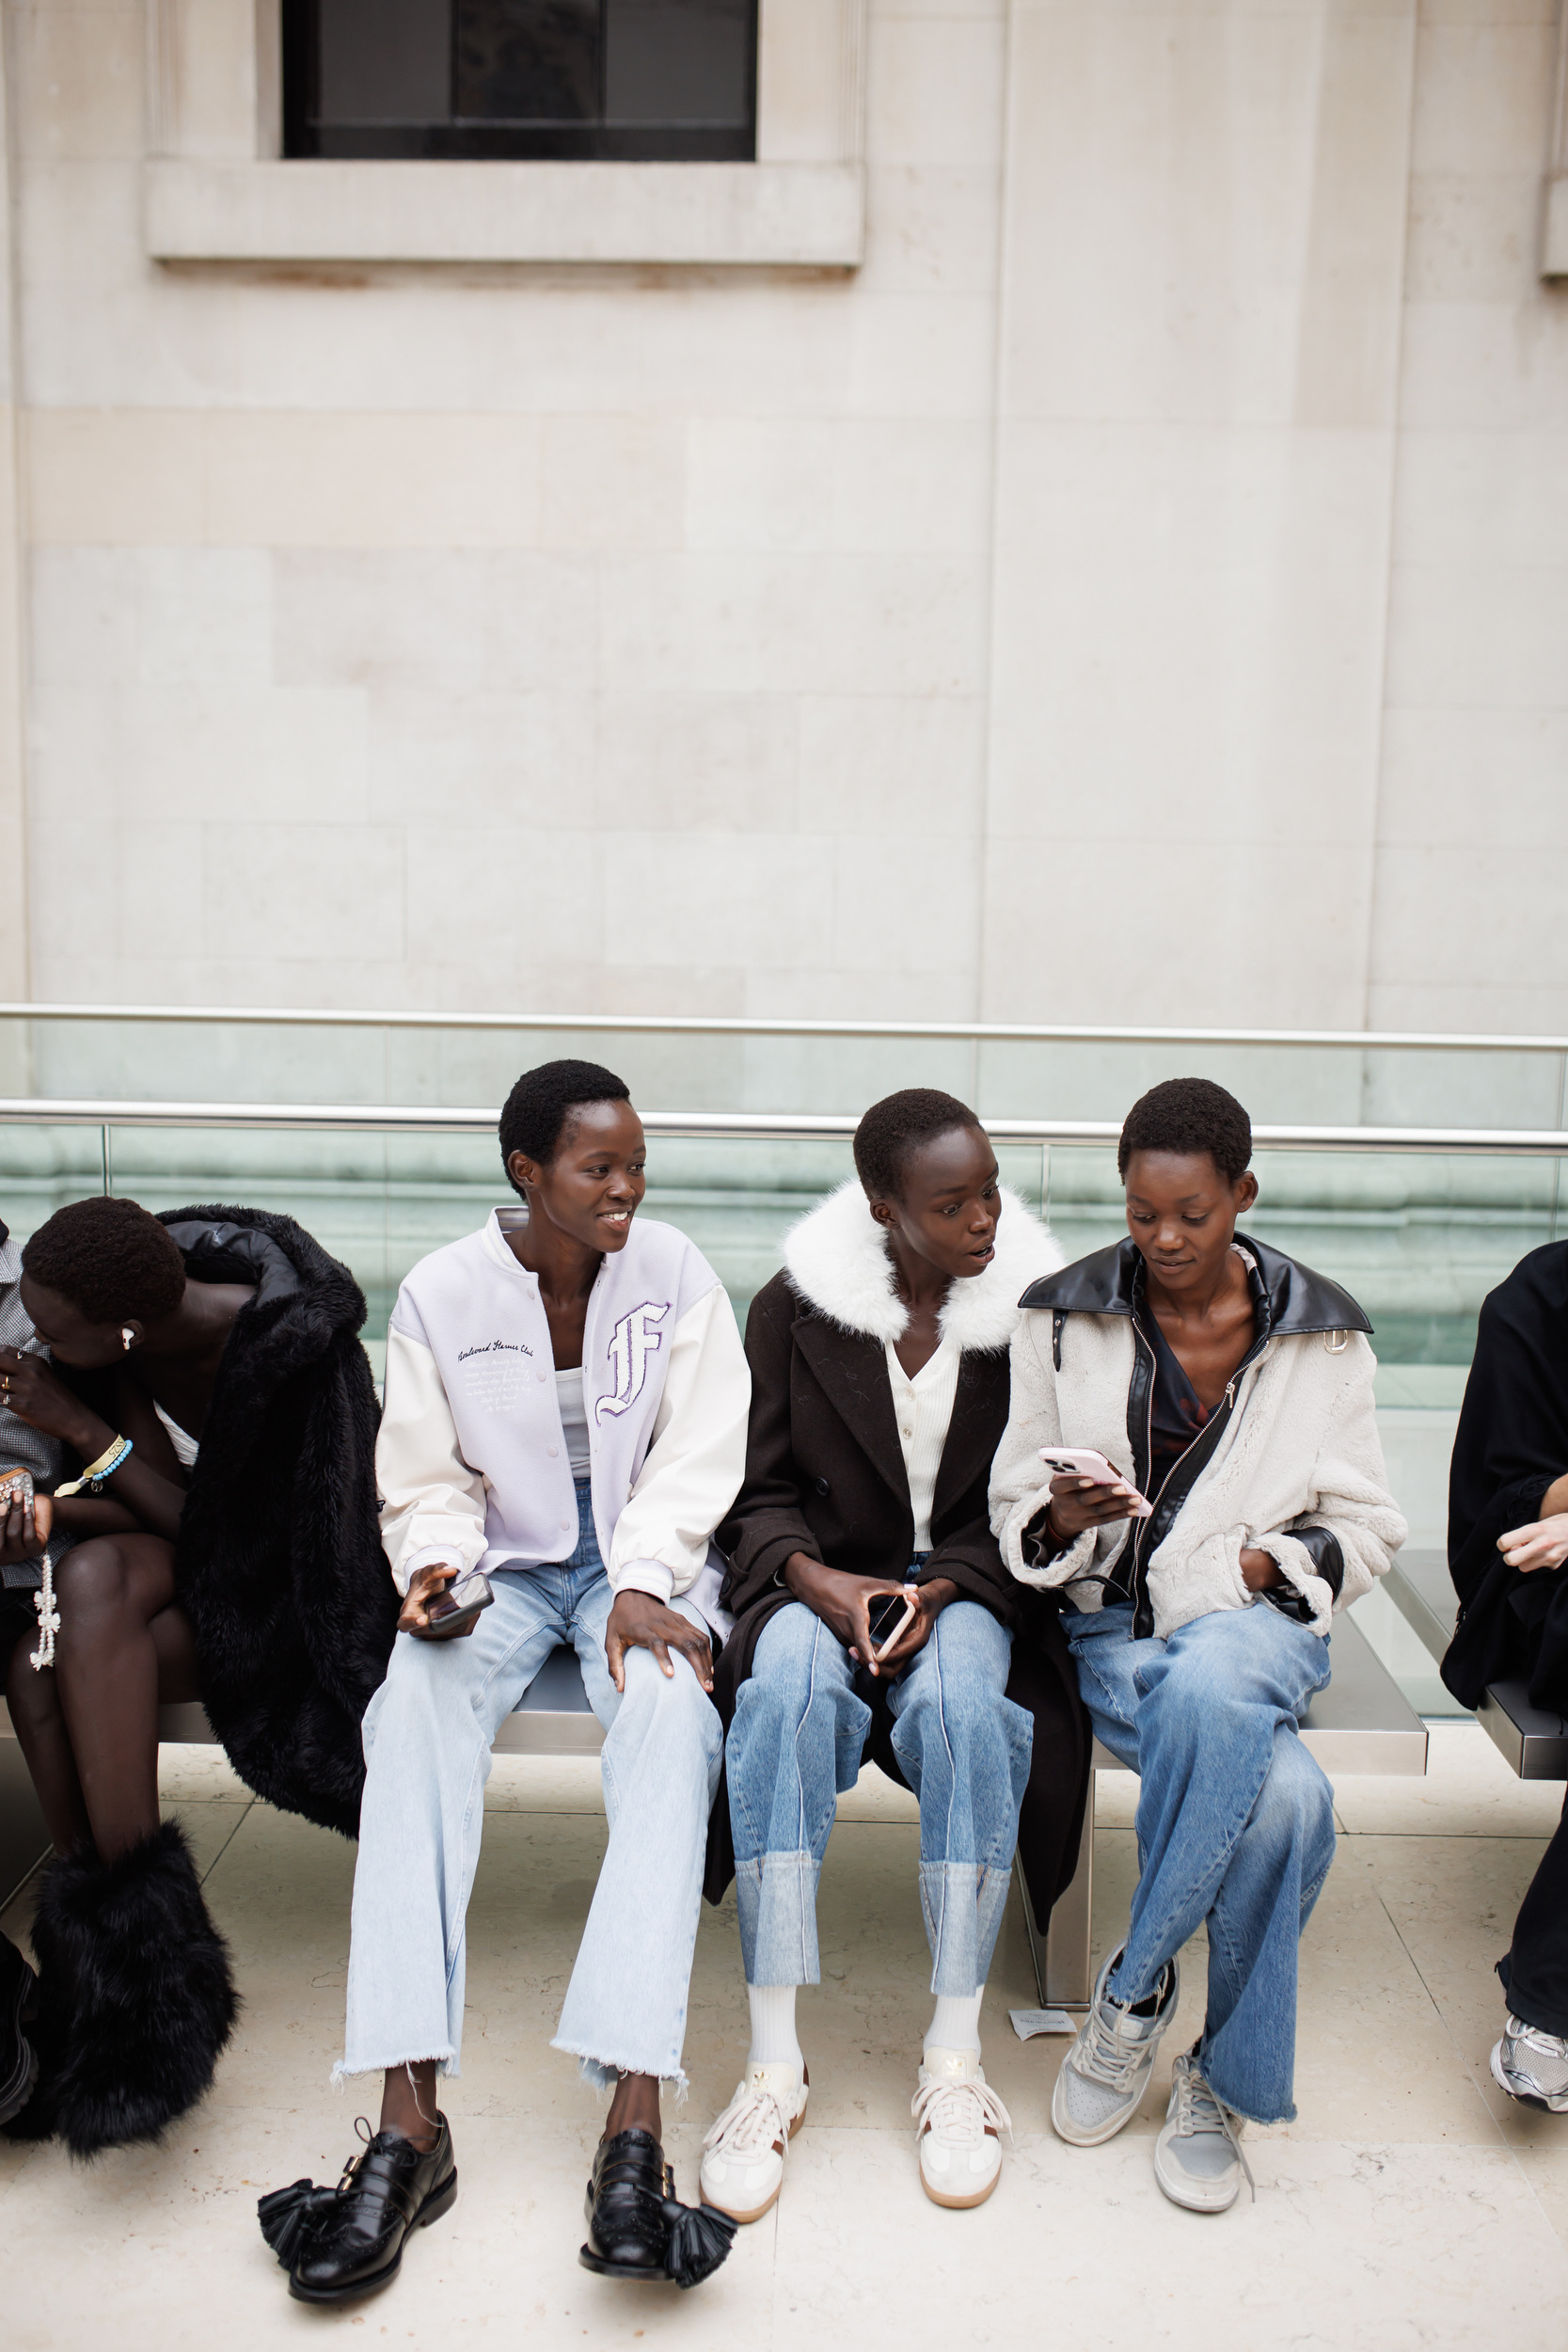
(121, 1646)
(38, 1721)
(635, 2105)
(408, 2101)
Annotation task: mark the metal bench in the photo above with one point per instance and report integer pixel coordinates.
(1534, 1740)
(1360, 1723)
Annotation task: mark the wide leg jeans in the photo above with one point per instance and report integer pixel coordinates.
(427, 1736)
(1235, 1821)
(796, 1744)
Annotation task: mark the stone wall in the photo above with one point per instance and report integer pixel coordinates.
(1132, 589)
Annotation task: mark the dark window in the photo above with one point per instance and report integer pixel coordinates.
(640, 80)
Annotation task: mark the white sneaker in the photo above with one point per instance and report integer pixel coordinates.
(958, 2118)
(744, 2151)
(1102, 2081)
(1198, 2158)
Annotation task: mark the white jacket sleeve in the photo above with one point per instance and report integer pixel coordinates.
(1350, 1499)
(432, 1504)
(1020, 1482)
(693, 1469)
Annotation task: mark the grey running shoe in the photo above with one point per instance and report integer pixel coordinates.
(1106, 2071)
(1532, 2066)
(1198, 2158)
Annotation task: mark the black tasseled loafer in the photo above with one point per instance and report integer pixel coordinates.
(637, 2225)
(339, 2243)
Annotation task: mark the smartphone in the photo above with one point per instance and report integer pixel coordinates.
(1082, 1461)
(888, 1618)
(455, 1609)
(16, 1486)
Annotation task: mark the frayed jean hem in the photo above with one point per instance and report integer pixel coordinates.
(444, 2061)
(602, 2074)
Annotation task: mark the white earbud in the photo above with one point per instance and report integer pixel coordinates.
(127, 1336)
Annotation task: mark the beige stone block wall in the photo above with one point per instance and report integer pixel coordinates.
(1135, 592)
(1473, 830)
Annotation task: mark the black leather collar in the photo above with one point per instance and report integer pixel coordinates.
(1108, 1281)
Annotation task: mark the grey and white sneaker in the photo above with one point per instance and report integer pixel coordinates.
(1106, 2071)
(1198, 2158)
(1532, 2066)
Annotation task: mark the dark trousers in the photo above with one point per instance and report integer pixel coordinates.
(1535, 1970)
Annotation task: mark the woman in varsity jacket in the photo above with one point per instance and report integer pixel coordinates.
(565, 1413)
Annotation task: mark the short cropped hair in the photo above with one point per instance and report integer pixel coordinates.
(109, 1259)
(1192, 1117)
(539, 1107)
(894, 1129)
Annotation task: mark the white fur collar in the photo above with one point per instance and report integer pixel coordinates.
(836, 1258)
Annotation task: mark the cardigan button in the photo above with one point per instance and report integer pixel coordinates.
(552, 1451)
(565, 1527)
(539, 1375)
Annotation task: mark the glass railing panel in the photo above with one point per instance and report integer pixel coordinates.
(1417, 1237)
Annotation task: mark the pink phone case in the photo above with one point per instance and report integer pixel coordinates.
(1082, 1461)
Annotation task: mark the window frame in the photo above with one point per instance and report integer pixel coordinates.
(468, 139)
(216, 189)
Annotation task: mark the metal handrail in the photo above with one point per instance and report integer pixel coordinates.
(741, 1126)
(701, 1025)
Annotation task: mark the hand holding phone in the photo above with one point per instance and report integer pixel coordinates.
(888, 1618)
(442, 1601)
(456, 1611)
(1083, 1465)
(1086, 1494)
(26, 1518)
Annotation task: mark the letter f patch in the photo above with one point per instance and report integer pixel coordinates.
(631, 1344)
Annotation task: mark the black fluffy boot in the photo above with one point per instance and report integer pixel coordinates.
(135, 2000)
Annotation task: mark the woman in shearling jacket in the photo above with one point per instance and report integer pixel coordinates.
(1233, 1389)
(879, 1390)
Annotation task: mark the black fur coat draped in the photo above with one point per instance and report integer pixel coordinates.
(1511, 1444)
(279, 1564)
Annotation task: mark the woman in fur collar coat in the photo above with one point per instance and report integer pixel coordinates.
(223, 1406)
(879, 1391)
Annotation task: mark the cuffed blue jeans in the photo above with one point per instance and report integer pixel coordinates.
(796, 1744)
(1235, 1821)
(427, 1736)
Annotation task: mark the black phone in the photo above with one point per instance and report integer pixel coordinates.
(454, 1610)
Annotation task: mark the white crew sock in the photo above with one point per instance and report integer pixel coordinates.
(956, 2025)
(773, 2041)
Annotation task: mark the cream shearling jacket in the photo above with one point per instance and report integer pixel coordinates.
(472, 1460)
(1291, 1465)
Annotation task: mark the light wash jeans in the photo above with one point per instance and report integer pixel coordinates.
(796, 1743)
(1235, 1821)
(427, 1736)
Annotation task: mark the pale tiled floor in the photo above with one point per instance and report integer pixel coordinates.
(1411, 2206)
